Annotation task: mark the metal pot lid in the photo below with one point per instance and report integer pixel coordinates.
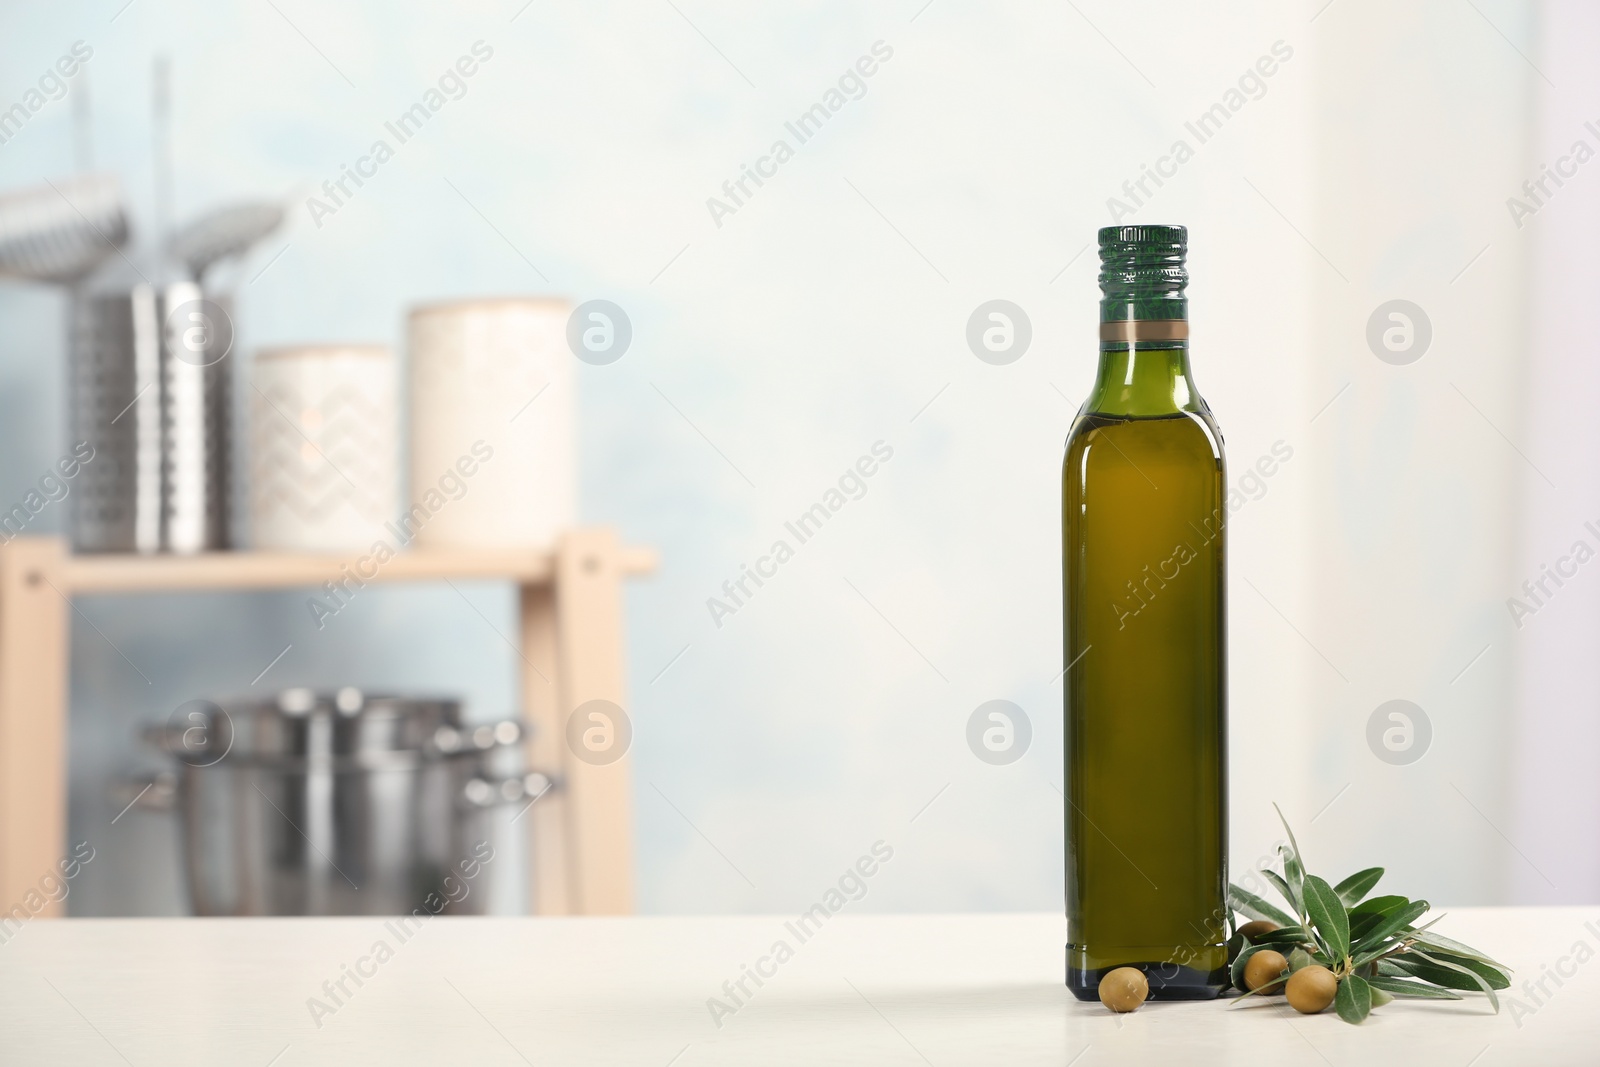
(300, 724)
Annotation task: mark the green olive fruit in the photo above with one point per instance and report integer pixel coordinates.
(1124, 989)
(1264, 972)
(1311, 989)
(1255, 928)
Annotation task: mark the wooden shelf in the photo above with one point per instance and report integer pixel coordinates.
(569, 653)
(277, 570)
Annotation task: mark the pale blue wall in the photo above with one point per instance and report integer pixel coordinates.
(818, 319)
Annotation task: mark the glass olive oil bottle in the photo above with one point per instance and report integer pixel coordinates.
(1143, 551)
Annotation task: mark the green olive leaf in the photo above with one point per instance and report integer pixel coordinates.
(1294, 879)
(1362, 924)
(1328, 915)
(1288, 892)
(1288, 937)
(1294, 867)
(1293, 844)
(1492, 973)
(1431, 940)
(1408, 965)
(1374, 943)
(1380, 905)
(1401, 988)
(1299, 958)
(1353, 1001)
(1358, 885)
(1380, 997)
(1247, 903)
(1424, 968)
(1476, 977)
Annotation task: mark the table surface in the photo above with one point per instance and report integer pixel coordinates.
(883, 989)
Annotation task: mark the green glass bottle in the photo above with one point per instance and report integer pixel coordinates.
(1142, 497)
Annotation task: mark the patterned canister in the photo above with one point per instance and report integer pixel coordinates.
(324, 457)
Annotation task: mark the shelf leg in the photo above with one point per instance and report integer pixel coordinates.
(549, 874)
(33, 717)
(599, 795)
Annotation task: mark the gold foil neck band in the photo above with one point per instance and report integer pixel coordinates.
(1145, 330)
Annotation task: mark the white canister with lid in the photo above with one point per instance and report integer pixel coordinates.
(493, 376)
(324, 449)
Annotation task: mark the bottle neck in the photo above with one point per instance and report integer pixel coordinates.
(1144, 382)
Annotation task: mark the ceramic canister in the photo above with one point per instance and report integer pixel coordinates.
(324, 457)
(492, 382)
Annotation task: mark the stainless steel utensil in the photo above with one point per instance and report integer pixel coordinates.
(60, 232)
(333, 803)
(223, 233)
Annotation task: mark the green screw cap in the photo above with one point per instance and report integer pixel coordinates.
(1142, 273)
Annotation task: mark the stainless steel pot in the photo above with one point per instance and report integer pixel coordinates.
(333, 804)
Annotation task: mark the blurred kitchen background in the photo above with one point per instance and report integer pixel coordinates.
(826, 310)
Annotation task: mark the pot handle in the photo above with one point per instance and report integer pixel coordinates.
(454, 741)
(482, 792)
(156, 792)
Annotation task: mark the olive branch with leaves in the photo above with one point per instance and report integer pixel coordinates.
(1370, 944)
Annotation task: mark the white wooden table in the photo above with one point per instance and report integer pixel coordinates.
(941, 990)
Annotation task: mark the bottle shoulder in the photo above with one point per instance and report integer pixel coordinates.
(1194, 432)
